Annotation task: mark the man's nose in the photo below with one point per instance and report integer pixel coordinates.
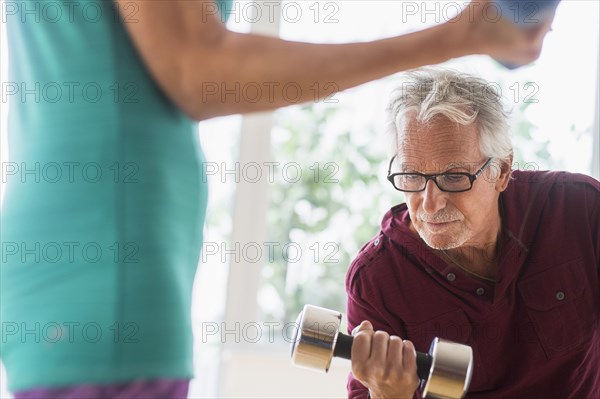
(433, 198)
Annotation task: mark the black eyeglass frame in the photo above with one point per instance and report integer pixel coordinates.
(472, 177)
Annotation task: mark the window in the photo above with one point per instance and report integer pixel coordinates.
(552, 103)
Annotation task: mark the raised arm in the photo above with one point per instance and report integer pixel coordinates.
(191, 54)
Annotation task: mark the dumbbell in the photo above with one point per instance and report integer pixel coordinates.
(445, 372)
(525, 13)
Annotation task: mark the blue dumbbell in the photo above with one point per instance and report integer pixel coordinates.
(525, 13)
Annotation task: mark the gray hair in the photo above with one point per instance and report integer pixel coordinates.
(460, 97)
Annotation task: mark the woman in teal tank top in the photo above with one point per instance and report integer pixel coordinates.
(102, 219)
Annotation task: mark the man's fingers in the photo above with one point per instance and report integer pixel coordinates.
(409, 356)
(395, 352)
(379, 346)
(364, 326)
(361, 346)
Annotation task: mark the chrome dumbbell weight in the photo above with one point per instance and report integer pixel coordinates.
(445, 372)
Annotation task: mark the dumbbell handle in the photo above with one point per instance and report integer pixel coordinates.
(343, 349)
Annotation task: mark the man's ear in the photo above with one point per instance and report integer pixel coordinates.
(505, 173)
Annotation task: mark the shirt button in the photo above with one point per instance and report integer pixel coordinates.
(451, 276)
(560, 295)
(480, 291)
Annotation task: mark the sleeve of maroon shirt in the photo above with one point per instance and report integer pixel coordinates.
(592, 203)
(359, 310)
(589, 198)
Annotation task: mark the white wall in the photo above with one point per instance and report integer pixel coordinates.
(269, 374)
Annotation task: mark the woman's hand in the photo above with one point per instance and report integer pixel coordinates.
(487, 32)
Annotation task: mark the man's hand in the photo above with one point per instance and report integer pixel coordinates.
(385, 364)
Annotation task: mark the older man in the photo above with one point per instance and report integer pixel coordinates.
(504, 261)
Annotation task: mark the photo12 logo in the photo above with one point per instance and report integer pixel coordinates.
(69, 332)
(271, 172)
(68, 252)
(253, 252)
(69, 172)
(256, 332)
(290, 12)
(69, 92)
(54, 12)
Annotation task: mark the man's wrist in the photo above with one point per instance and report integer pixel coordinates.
(376, 395)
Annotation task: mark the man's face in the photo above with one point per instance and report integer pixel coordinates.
(449, 220)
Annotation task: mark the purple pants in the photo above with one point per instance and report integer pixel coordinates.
(140, 389)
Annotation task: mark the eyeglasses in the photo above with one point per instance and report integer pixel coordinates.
(454, 182)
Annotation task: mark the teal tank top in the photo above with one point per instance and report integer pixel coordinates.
(101, 225)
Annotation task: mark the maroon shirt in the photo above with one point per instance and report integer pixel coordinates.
(535, 333)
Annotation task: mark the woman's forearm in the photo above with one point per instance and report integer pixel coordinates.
(259, 73)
